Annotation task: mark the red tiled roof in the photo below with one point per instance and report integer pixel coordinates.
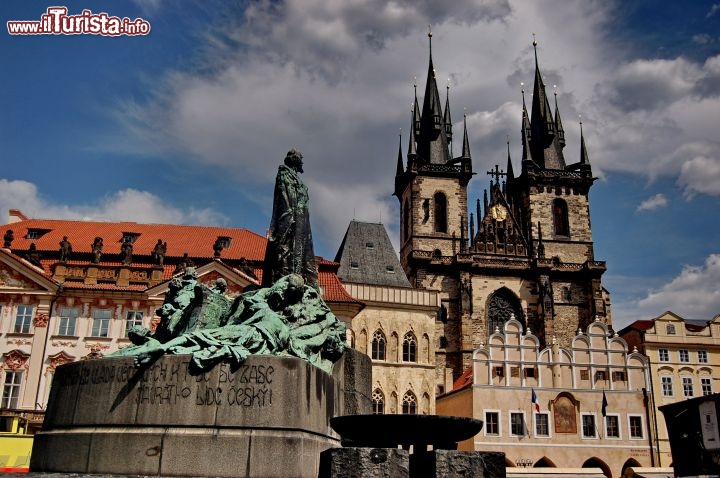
(333, 290)
(464, 380)
(197, 241)
(641, 324)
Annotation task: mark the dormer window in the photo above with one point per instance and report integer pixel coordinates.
(354, 265)
(224, 241)
(130, 237)
(390, 269)
(36, 233)
(369, 245)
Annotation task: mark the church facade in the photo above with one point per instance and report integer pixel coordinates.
(523, 251)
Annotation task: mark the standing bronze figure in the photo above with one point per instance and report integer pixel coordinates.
(290, 247)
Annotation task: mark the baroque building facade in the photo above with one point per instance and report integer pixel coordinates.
(525, 249)
(684, 360)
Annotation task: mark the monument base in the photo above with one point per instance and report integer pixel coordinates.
(269, 418)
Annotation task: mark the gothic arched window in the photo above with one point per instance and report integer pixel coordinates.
(560, 218)
(378, 345)
(501, 306)
(440, 216)
(406, 221)
(409, 348)
(409, 404)
(378, 402)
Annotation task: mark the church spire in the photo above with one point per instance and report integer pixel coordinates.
(558, 123)
(433, 141)
(526, 130)
(584, 160)
(510, 172)
(466, 141)
(415, 126)
(447, 119)
(412, 152)
(546, 146)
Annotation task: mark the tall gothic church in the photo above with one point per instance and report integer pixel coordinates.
(524, 250)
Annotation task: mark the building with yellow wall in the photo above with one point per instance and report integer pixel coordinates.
(684, 357)
(592, 408)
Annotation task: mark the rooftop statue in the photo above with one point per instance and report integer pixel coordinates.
(290, 247)
(97, 248)
(65, 249)
(286, 317)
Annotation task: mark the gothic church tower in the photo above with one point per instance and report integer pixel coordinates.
(526, 251)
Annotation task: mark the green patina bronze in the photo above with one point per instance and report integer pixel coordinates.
(287, 317)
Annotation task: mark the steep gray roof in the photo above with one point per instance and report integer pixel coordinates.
(366, 256)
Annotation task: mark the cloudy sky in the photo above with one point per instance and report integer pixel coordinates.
(189, 123)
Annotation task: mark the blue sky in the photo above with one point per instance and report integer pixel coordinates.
(189, 123)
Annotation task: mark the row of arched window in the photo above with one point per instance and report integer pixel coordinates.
(409, 403)
(378, 350)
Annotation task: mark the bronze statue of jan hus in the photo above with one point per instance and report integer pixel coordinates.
(290, 247)
(286, 317)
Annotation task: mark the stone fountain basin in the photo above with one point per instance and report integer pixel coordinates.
(391, 431)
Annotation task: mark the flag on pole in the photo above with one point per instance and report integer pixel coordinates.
(604, 405)
(535, 401)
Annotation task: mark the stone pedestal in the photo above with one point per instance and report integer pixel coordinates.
(270, 417)
(468, 464)
(355, 462)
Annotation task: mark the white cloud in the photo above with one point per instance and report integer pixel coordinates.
(701, 175)
(657, 201)
(330, 203)
(125, 205)
(333, 78)
(713, 10)
(694, 294)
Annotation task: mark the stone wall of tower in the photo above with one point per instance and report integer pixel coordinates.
(578, 248)
(424, 213)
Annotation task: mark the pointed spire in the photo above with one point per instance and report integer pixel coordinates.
(477, 210)
(526, 129)
(432, 142)
(558, 123)
(546, 146)
(584, 160)
(399, 170)
(416, 114)
(463, 239)
(541, 116)
(485, 199)
(447, 119)
(412, 152)
(510, 172)
(466, 141)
